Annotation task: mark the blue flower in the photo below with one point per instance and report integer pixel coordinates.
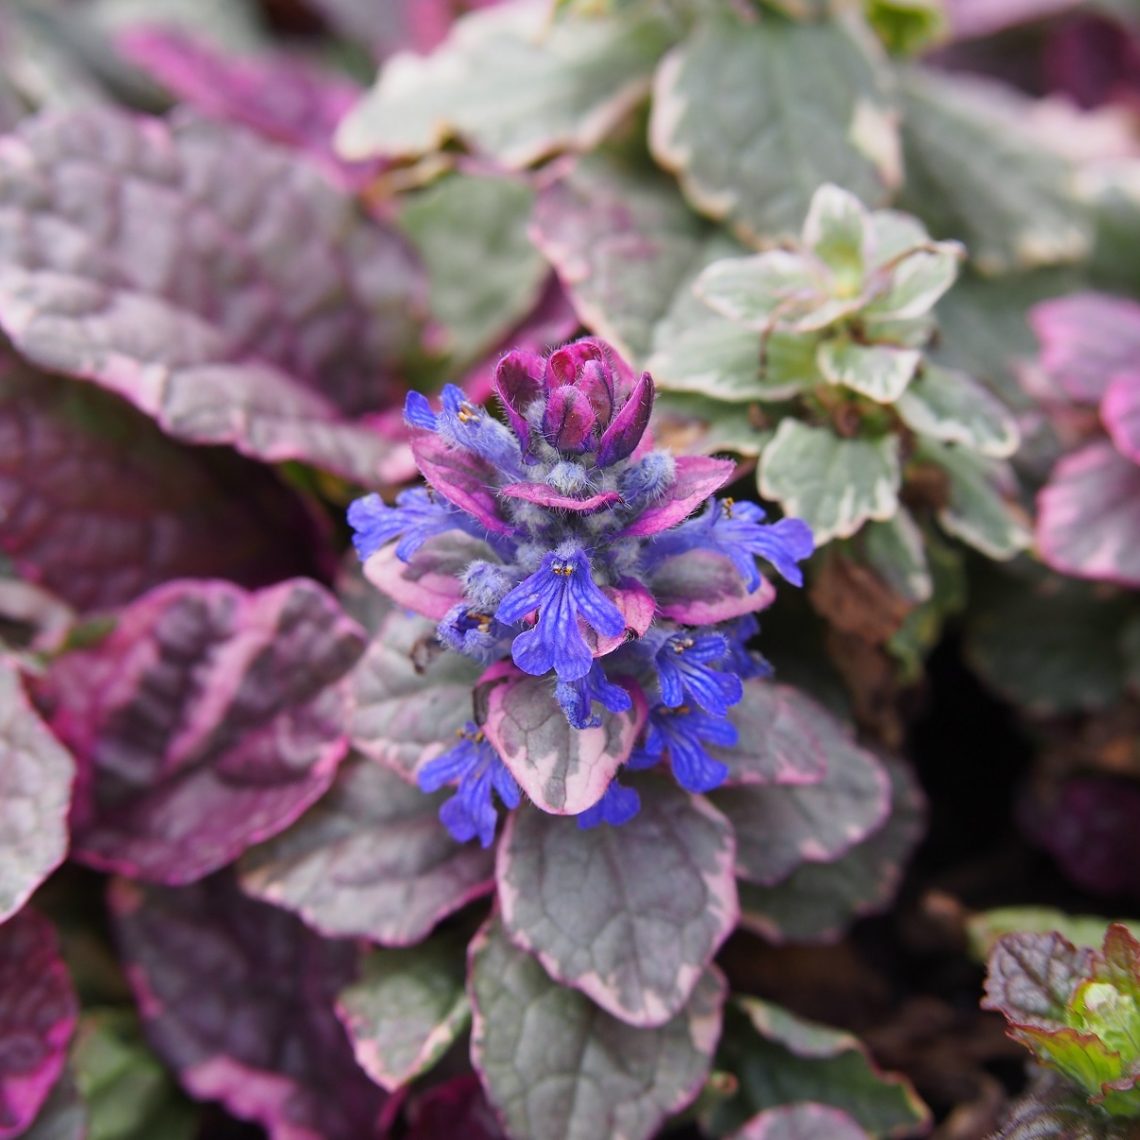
(741, 660)
(562, 590)
(474, 762)
(577, 697)
(417, 516)
(468, 425)
(683, 733)
(685, 671)
(619, 805)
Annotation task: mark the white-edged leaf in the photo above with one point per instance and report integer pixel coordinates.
(950, 406)
(878, 371)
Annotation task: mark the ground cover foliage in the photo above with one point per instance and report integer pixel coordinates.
(568, 569)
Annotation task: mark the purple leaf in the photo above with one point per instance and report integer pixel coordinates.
(1031, 976)
(1088, 516)
(98, 505)
(461, 477)
(778, 741)
(36, 774)
(237, 998)
(429, 582)
(555, 1065)
(630, 916)
(778, 828)
(207, 720)
(564, 770)
(973, 18)
(548, 497)
(697, 478)
(700, 587)
(1120, 411)
(370, 860)
(455, 1108)
(119, 236)
(278, 96)
(1086, 339)
(38, 1012)
(801, 1122)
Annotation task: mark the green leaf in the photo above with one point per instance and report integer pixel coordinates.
(406, 1009)
(692, 423)
(878, 371)
(977, 511)
(781, 1059)
(987, 926)
(954, 408)
(835, 230)
(835, 485)
(129, 1095)
(957, 132)
(907, 26)
(631, 916)
(818, 900)
(579, 77)
(624, 243)
(896, 551)
(484, 274)
(753, 117)
(555, 1066)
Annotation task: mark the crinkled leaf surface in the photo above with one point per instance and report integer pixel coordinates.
(36, 774)
(37, 1017)
(370, 860)
(405, 1009)
(956, 132)
(118, 236)
(816, 901)
(781, 1059)
(208, 719)
(1032, 976)
(835, 485)
(99, 505)
(801, 1122)
(564, 770)
(950, 406)
(237, 997)
(556, 1067)
(580, 76)
(622, 242)
(630, 916)
(778, 828)
(753, 117)
(484, 274)
(410, 698)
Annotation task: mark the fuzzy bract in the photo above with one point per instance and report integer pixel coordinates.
(575, 517)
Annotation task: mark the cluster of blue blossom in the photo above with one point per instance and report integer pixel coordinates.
(593, 568)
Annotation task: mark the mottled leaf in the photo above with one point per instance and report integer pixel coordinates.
(835, 485)
(207, 719)
(405, 1009)
(1120, 411)
(630, 916)
(36, 774)
(780, 827)
(430, 582)
(119, 234)
(701, 587)
(950, 406)
(37, 1017)
(63, 1115)
(956, 132)
(557, 1067)
(879, 372)
(580, 76)
(801, 1122)
(1032, 976)
(756, 161)
(564, 770)
(237, 998)
(818, 900)
(371, 860)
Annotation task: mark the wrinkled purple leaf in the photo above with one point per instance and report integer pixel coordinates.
(429, 582)
(801, 1122)
(1032, 976)
(564, 770)
(237, 997)
(698, 476)
(36, 774)
(1120, 411)
(780, 828)
(703, 588)
(370, 860)
(456, 1108)
(630, 916)
(555, 1065)
(548, 497)
(1088, 516)
(119, 234)
(98, 505)
(38, 1012)
(461, 477)
(207, 720)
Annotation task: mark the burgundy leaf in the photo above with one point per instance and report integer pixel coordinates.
(207, 720)
(237, 998)
(430, 581)
(456, 1108)
(548, 497)
(38, 1012)
(701, 587)
(461, 477)
(637, 606)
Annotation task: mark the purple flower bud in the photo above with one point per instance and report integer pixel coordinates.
(626, 429)
(569, 420)
(518, 383)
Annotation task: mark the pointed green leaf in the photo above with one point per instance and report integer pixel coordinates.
(835, 485)
(756, 161)
(406, 1008)
(579, 77)
(878, 371)
(952, 407)
(630, 916)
